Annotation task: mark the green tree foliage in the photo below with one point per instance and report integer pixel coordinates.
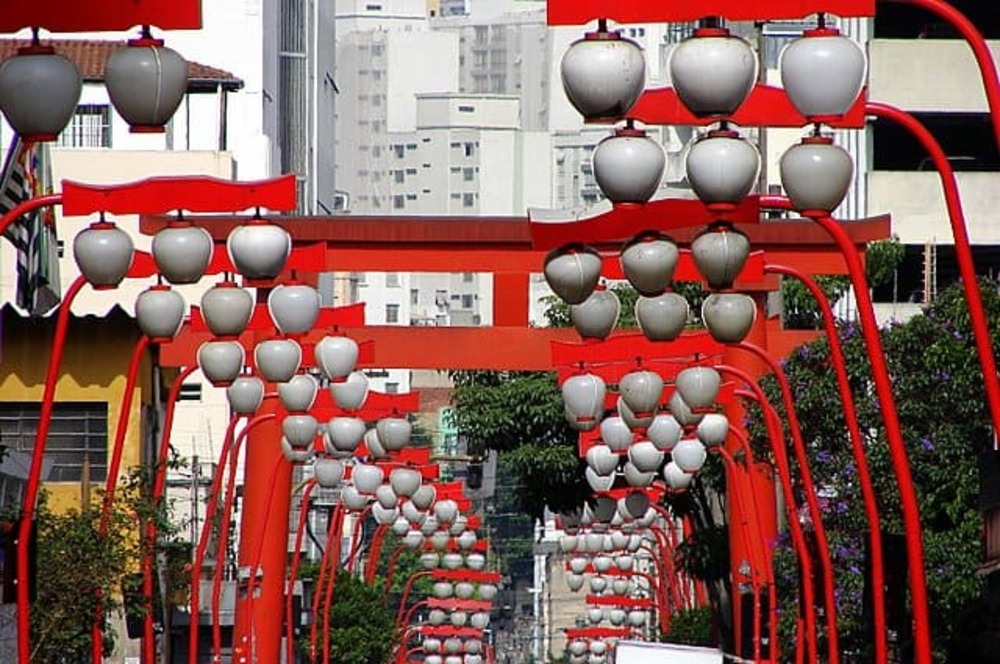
(938, 388)
(362, 628)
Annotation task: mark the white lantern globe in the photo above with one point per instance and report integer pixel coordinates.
(720, 254)
(350, 393)
(401, 526)
(182, 252)
(619, 585)
(480, 620)
(698, 386)
(816, 175)
(728, 316)
(713, 430)
(354, 500)
(466, 540)
(293, 308)
(259, 249)
(487, 592)
(689, 455)
(597, 482)
(601, 459)
(572, 272)
(440, 540)
(337, 356)
(245, 395)
(405, 481)
(648, 261)
(344, 434)
(476, 562)
(299, 393)
(328, 473)
(432, 645)
(598, 584)
(220, 361)
(634, 420)
(146, 82)
(437, 617)
(102, 251)
(645, 456)
(628, 166)
(603, 75)
(429, 526)
(577, 647)
(227, 309)
(618, 540)
(823, 73)
(596, 316)
(575, 582)
(39, 92)
(386, 496)
(367, 478)
(413, 539)
(603, 564)
(713, 72)
(636, 618)
(278, 359)
(443, 589)
(595, 615)
(568, 543)
(459, 618)
(583, 396)
(295, 455)
(641, 391)
(413, 514)
(429, 560)
(722, 169)
(424, 497)
(159, 312)
(637, 478)
(578, 565)
(384, 515)
(445, 510)
(394, 432)
(676, 479)
(451, 560)
(464, 589)
(662, 317)
(300, 429)
(617, 617)
(632, 506)
(664, 432)
(616, 434)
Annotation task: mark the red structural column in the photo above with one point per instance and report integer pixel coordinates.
(269, 536)
(758, 477)
(510, 299)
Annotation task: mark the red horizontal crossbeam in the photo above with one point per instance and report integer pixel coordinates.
(446, 631)
(619, 601)
(455, 604)
(160, 195)
(100, 15)
(376, 406)
(305, 258)
(626, 221)
(767, 106)
(591, 633)
(581, 12)
(627, 351)
(469, 575)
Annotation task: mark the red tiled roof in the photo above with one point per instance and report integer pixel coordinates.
(91, 55)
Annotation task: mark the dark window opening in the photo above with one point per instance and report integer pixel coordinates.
(902, 22)
(966, 138)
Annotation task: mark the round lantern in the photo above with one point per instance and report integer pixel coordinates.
(713, 430)
(103, 252)
(698, 386)
(259, 249)
(400, 526)
(641, 391)
(636, 618)
(278, 359)
(464, 589)
(220, 361)
(720, 254)
(618, 538)
(445, 510)
(437, 617)
(431, 644)
(146, 82)
(681, 411)
(620, 585)
(628, 166)
(616, 616)
(603, 75)
(423, 497)
(384, 515)
(596, 317)
(459, 618)
(458, 524)
(604, 508)
(367, 478)
(664, 432)
(598, 482)
(480, 619)
(354, 500)
(572, 272)
(453, 645)
(689, 455)
(631, 418)
(245, 395)
(602, 460)
(583, 396)
(476, 562)
(577, 647)
(300, 430)
(227, 309)
(443, 589)
(414, 515)
(713, 72)
(595, 615)
(350, 394)
(405, 481)
(722, 168)
(645, 457)
(598, 584)
(429, 560)
(294, 308)
(568, 543)
(625, 562)
(39, 92)
(182, 251)
(296, 455)
(663, 317)
(648, 262)
(594, 542)
(728, 316)
(386, 496)
(615, 433)
(328, 473)
(635, 477)
(816, 175)
(413, 539)
(159, 312)
(466, 540)
(394, 432)
(439, 540)
(575, 581)
(822, 73)
(603, 563)
(336, 357)
(298, 394)
(578, 565)
(374, 445)
(344, 434)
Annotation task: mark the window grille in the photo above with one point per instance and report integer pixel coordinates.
(78, 432)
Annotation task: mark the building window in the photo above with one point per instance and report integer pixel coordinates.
(400, 176)
(392, 388)
(90, 127)
(468, 299)
(392, 313)
(468, 174)
(414, 296)
(398, 149)
(468, 200)
(392, 279)
(78, 435)
(398, 202)
(468, 277)
(470, 149)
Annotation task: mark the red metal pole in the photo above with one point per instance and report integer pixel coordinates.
(331, 583)
(390, 569)
(203, 539)
(159, 487)
(980, 49)
(378, 540)
(356, 534)
(28, 206)
(263, 498)
(406, 596)
(858, 449)
(320, 580)
(812, 498)
(38, 452)
(894, 436)
(111, 484)
(963, 247)
(294, 573)
(225, 527)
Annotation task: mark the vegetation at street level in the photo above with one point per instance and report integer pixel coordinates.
(938, 388)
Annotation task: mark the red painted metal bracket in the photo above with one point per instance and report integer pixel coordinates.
(469, 575)
(446, 631)
(160, 195)
(631, 350)
(459, 604)
(619, 601)
(306, 259)
(581, 12)
(767, 106)
(626, 221)
(590, 633)
(100, 15)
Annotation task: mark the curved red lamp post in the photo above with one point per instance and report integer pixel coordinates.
(327, 565)
(159, 488)
(812, 498)
(331, 583)
(858, 450)
(784, 472)
(294, 572)
(401, 611)
(111, 482)
(378, 540)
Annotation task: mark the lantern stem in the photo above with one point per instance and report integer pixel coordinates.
(602, 25)
(821, 20)
(710, 22)
(34, 36)
(145, 33)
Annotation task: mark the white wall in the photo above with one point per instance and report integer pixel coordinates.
(418, 62)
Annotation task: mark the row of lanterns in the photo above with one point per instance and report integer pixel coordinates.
(40, 89)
